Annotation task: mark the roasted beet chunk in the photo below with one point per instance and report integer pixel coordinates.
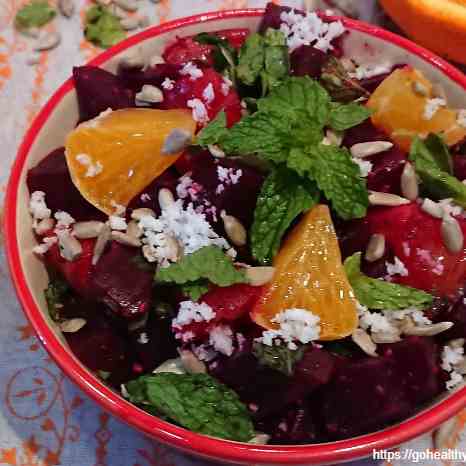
(121, 282)
(307, 61)
(416, 362)
(387, 168)
(459, 166)
(271, 18)
(52, 177)
(445, 311)
(135, 78)
(98, 90)
(364, 396)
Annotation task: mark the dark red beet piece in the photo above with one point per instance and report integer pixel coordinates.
(271, 18)
(371, 84)
(307, 61)
(135, 78)
(123, 285)
(52, 177)
(363, 396)
(459, 166)
(387, 168)
(416, 362)
(363, 132)
(448, 311)
(98, 90)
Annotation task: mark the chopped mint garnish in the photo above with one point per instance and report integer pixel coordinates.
(251, 59)
(209, 262)
(194, 290)
(433, 164)
(34, 14)
(336, 175)
(284, 195)
(379, 294)
(346, 116)
(280, 358)
(102, 27)
(55, 294)
(194, 401)
(341, 87)
(214, 132)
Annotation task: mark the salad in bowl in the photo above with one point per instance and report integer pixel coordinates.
(258, 238)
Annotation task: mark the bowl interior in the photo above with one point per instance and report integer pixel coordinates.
(365, 44)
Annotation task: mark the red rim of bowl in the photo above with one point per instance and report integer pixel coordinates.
(342, 450)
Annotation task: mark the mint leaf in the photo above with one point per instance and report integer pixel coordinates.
(34, 14)
(194, 401)
(194, 290)
(283, 196)
(55, 294)
(214, 132)
(301, 99)
(208, 262)
(102, 27)
(343, 117)
(432, 153)
(432, 161)
(224, 55)
(276, 60)
(251, 59)
(338, 83)
(262, 134)
(280, 358)
(336, 175)
(378, 294)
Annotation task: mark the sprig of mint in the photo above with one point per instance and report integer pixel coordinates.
(265, 57)
(336, 175)
(224, 55)
(209, 262)
(194, 401)
(379, 294)
(433, 164)
(280, 358)
(194, 290)
(284, 195)
(345, 116)
(34, 14)
(55, 294)
(215, 132)
(102, 27)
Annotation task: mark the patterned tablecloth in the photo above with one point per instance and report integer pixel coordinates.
(44, 419)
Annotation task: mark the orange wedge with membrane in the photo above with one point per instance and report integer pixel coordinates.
(115, 156)
(399, 110)
(310, 275)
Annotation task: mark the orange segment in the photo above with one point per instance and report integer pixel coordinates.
(115, 156)
(399, 110)
(310, 275)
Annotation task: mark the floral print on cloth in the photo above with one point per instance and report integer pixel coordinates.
(44, 419)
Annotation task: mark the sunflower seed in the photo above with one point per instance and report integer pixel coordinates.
(170, 365)
(137, 214)
(117, 11)
(129, 23)
(132, 59)
(420, 89)
(177, 140)
(452, 234)
(66, 7)
(386, 199)
(166, 198)
(260, 439)
(125, 239)
(134, 230)
(70, 248)
(311, 5)
(456, 343)
(439, 92)
(216, 151)
(366, 149)
(234, 229)
(444, 433)
(191, 363)
(460, 367)
(173, 249)
(258, 276)
(44, 225)
(385, 337)
(335, 138)
(127, 5)
(409, 184)
(48, 41)
(149, 94)
(149, 253)
(428, 330)
(376, 248)
(364, 341)
(104, 237)
(85, 230)
(432, 208)
(72, 325)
